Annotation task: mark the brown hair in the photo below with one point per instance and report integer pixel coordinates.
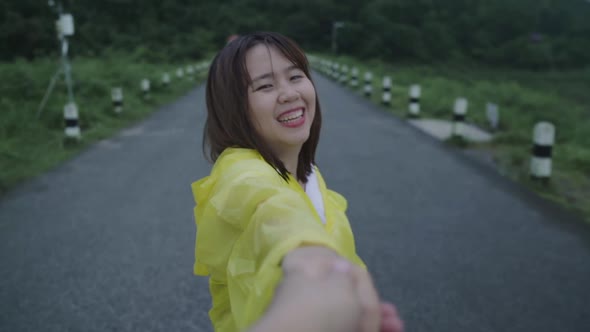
(228, 118)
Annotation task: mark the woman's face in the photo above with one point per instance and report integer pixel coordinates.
(281, 99)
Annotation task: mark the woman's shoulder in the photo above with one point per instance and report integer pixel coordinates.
(236, 167)
(239, 166)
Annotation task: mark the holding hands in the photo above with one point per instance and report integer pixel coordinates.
(323, 292)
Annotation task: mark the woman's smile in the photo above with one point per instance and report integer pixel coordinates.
(293, 118)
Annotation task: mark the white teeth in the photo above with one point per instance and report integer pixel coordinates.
(292, 116)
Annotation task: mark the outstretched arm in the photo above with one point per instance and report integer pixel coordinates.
(323, 292)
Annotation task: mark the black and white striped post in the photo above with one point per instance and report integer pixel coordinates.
(190, 71)
(344, 75)
(117, 98)
(368, 84)
(145, 88)
(459, 113)
(336, 71)
(180, 73)
(386, 98)
(414, 107)
(493, 115)
(72, 130)
(354, 76)
(543, 139)
(165, 79)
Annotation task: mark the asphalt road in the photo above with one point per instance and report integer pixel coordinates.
(105, 242)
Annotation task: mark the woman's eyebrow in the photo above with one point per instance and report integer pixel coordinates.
(291, 67)
(267, 75)
(263, 76)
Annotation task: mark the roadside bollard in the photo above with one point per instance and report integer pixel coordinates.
(368, 84)
(145, 88)
(72, 130)
(386, 98)
(344, 75)
(336, 71)
(165, 79)
(543, 139)
(459, 113)
(190, 71)
(117, 98)
(493, 115)
(354, 75)
(414, 107)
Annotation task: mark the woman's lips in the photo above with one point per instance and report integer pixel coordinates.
(292, 118)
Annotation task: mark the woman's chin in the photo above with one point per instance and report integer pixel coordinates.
(299, 141)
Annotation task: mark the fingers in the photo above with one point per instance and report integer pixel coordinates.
(324, 265)
(324, 302)
(371, 321)
(390, 320)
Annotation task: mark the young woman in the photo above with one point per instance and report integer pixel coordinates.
(265, 210)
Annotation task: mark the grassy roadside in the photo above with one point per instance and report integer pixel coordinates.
(524, 98)
(31, 145)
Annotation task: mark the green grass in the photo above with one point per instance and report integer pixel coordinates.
(524, 98)
(31, 145)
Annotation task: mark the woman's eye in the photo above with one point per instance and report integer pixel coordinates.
(265, 86)
(296, 77)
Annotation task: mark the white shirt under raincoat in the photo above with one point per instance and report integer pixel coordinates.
(248, 218)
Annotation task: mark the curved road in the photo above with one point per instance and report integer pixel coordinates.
(105, 241)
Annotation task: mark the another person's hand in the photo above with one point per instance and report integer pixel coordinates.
(323, 292)
(390, 320)
(322, 302)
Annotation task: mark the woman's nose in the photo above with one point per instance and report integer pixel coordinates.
(288, 94)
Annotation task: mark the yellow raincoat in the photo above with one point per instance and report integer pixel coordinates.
(248, 218)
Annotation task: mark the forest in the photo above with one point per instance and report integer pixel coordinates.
(528, 34)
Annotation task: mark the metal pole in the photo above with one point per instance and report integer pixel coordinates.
(334, 47)
(335, 27)
(58, 10)
(48, 92)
